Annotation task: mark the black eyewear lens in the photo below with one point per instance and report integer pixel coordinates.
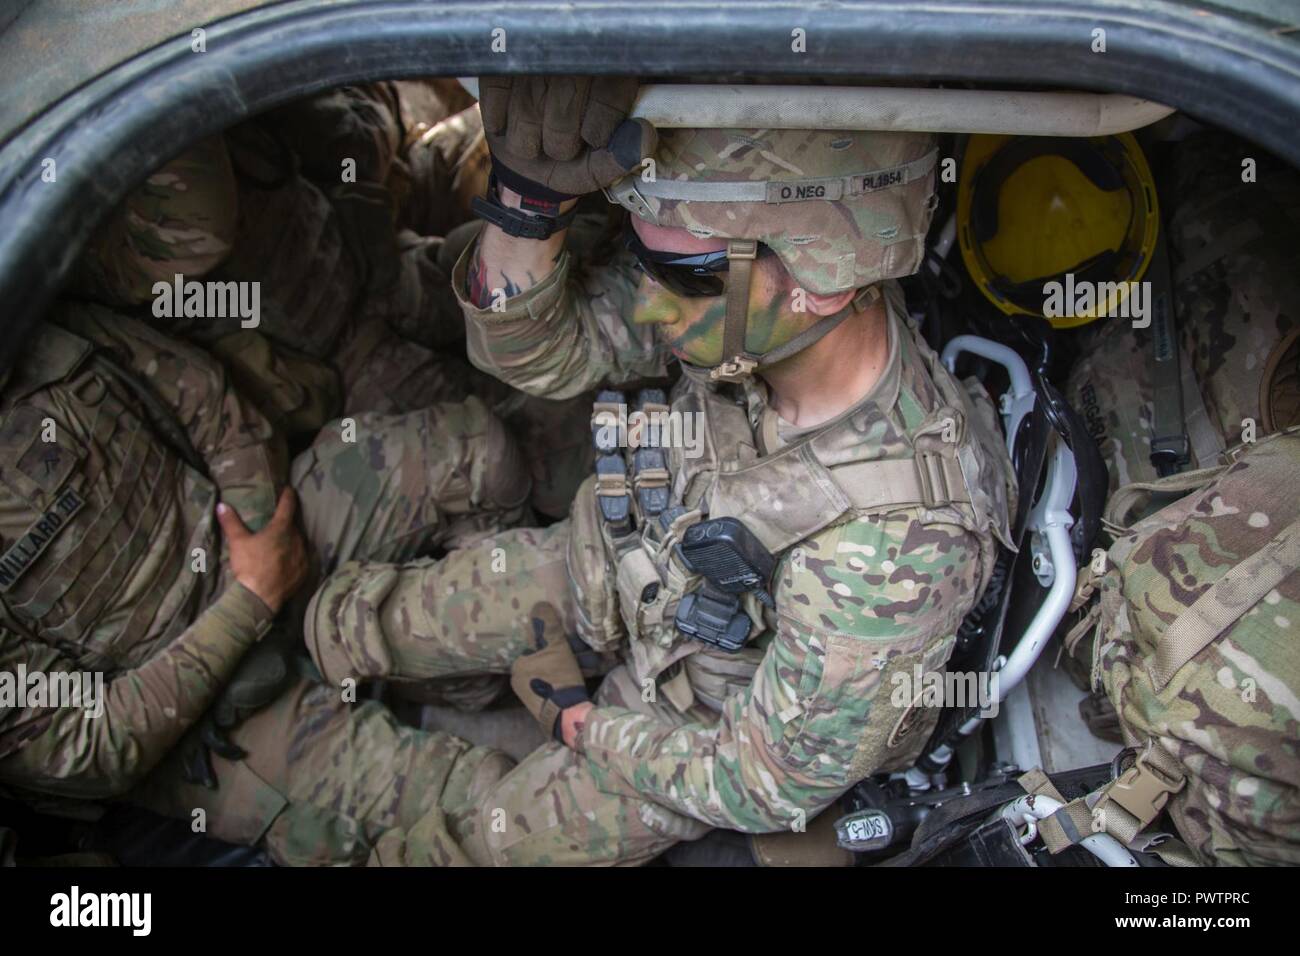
(692, 276)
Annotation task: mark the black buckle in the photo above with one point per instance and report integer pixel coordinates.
(518, 224)
(714, 617)
(1170, 455)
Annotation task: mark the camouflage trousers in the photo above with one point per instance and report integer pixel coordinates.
(469, 613)
(325, 781)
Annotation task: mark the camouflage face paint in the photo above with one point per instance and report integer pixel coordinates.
(693, 329)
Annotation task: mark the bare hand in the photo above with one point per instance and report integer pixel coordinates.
(273, 562)
(572, 720)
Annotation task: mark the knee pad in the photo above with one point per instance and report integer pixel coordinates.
(342, 629)
(501, 477)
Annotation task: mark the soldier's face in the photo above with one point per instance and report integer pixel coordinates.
(693, 328)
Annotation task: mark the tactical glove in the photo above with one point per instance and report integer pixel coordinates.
(559, 137)
(262, 675)
(548, 679)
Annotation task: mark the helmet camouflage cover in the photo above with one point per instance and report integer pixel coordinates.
(842, 209)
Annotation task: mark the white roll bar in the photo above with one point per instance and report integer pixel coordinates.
(1010, 112)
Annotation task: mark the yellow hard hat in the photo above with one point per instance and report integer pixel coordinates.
(1032, 209)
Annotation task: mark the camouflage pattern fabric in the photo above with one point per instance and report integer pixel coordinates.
(848, 218)
(390, 487)
(167, 635)
(1231, 715)
(809, 710)
(329, 343)
(236, 209)
(181, 219)
(448, 165)
(1111, 387)
(376, 126)
(324, 782)
(1236, 268)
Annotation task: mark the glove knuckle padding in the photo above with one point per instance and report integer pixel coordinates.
(610, 102)
(549, 679)
(524, 128)
(566, 102)
(494, 102)
(630, 144)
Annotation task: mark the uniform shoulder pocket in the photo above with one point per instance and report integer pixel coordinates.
(837, 713)
(37, 454)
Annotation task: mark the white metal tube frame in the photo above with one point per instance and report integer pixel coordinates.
(926, 110)
(1049, 522)
(1018, 401)
(1029, 809)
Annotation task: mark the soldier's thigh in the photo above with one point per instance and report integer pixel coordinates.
(467, 613)
(549, 811)
(386, 373)
(323, 781)
(393, 487)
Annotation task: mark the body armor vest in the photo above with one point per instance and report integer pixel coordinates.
(918, 440)
(99, 517)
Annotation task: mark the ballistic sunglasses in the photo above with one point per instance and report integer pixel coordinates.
(691, 276)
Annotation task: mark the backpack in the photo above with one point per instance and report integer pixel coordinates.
(1198, 648)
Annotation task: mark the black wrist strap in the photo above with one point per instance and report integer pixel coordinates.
(533, 190)
(535, 220)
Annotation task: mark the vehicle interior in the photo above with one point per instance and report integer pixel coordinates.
(1130, 165)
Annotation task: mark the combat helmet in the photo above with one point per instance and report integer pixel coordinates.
(841, 209)
(1032, 210)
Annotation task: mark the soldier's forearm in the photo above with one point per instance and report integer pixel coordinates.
(146, 711)
(504, 266)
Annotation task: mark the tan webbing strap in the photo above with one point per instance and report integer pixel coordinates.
(769, 431)
(1225, 602)
(1036, 782)
(1085, 586)
(1127, 805)
(1068, 826)
(605, 414)
(927, 479)
(1131, 801)
(1081, 629)
(1174, 852)
(1125, 498)
(736, 364)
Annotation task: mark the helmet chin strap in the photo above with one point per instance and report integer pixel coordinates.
(737, 363)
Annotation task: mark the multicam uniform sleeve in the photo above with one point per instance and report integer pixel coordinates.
(567, 334)
(245, 459)
(104, 742)
(182, 219)
(858, 610)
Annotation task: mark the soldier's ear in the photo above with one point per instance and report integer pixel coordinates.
(819, 304)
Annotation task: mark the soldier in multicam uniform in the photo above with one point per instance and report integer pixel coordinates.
(317, 203)
(119, 442)
(358, 314)
(876, 479)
